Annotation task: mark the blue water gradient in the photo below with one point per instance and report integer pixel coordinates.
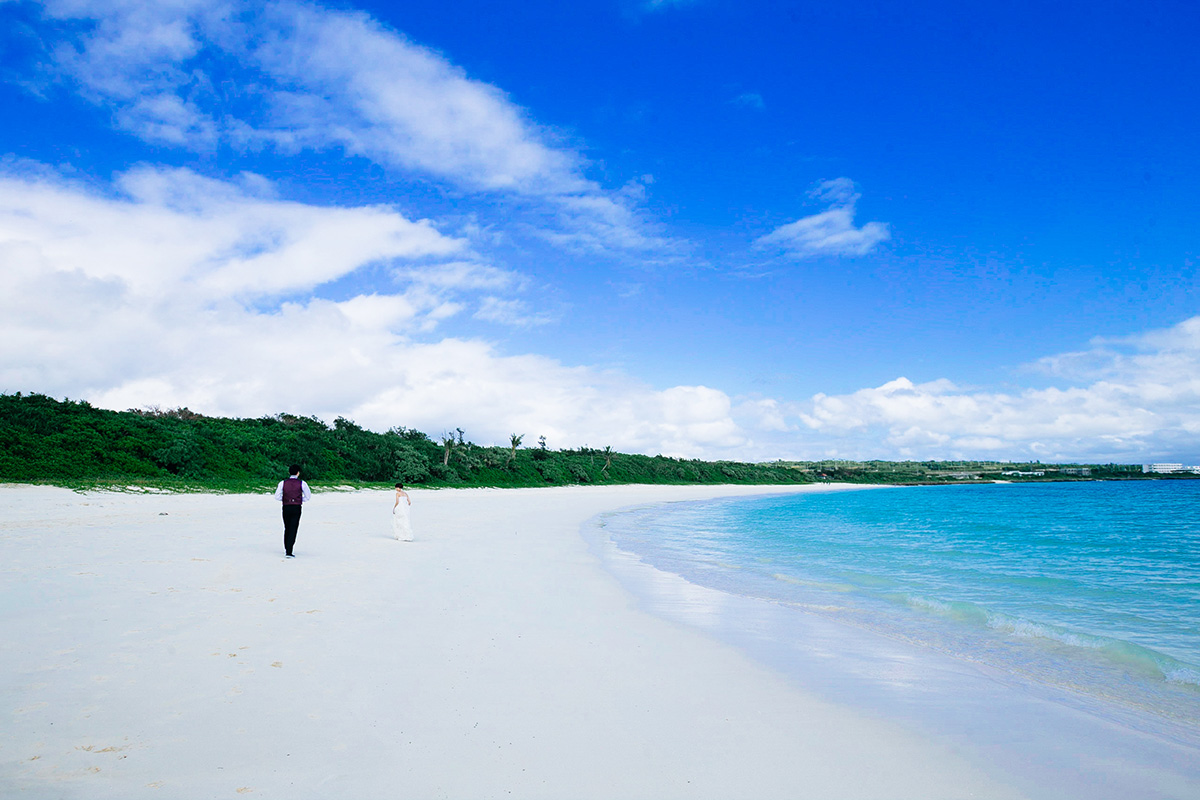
(1089, 586)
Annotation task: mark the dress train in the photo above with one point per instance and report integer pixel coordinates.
(401, 525)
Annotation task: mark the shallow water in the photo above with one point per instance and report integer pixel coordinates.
(1092, 587)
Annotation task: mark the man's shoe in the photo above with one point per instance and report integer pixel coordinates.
(289, 555)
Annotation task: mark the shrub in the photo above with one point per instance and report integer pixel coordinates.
(551, 473)
(441, 472)
(411, 466)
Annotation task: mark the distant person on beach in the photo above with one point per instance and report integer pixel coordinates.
(401, 525)
(293, 492)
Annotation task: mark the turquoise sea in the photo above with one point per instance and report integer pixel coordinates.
(1088, 587)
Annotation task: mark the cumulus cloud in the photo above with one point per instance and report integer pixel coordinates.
(176, 289)
(171, 227)
(830, 232)
(1129, 399)
(298, 76)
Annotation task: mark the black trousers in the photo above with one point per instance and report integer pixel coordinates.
(291, 524)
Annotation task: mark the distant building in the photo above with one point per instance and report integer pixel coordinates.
(1082, 472)
(1162, 469)
(1019, 474)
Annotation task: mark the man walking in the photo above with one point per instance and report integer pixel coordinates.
(293, 492)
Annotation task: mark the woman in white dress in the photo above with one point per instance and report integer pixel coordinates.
(401, 526)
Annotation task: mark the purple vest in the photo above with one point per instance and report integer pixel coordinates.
(293, 492)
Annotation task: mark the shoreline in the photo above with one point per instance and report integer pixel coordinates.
(1036, 736)
(159, 645)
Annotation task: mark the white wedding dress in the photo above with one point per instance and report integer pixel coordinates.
(401, 525)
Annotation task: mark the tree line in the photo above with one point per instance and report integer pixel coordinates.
(65, 442)
(72, 443)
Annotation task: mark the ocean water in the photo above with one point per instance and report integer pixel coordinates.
(1089, 587)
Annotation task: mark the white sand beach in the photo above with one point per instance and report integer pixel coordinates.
(157, 645)
(161, 646)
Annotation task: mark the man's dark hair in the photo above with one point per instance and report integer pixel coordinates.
(294, 469)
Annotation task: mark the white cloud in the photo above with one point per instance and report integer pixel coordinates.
(319, 78)
(98, 288)
(299, 76)
(172, 292)
(172, 227)
(829, 232)
(378, 95)
(1133, 399)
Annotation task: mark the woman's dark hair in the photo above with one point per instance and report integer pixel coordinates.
(399, 485)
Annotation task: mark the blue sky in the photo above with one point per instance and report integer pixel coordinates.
(715, 229)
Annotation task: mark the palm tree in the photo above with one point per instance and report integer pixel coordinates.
(515, 441)
(447, 440)
(608, 454)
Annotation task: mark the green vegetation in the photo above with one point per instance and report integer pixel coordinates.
(71, 443)
(43, 440)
